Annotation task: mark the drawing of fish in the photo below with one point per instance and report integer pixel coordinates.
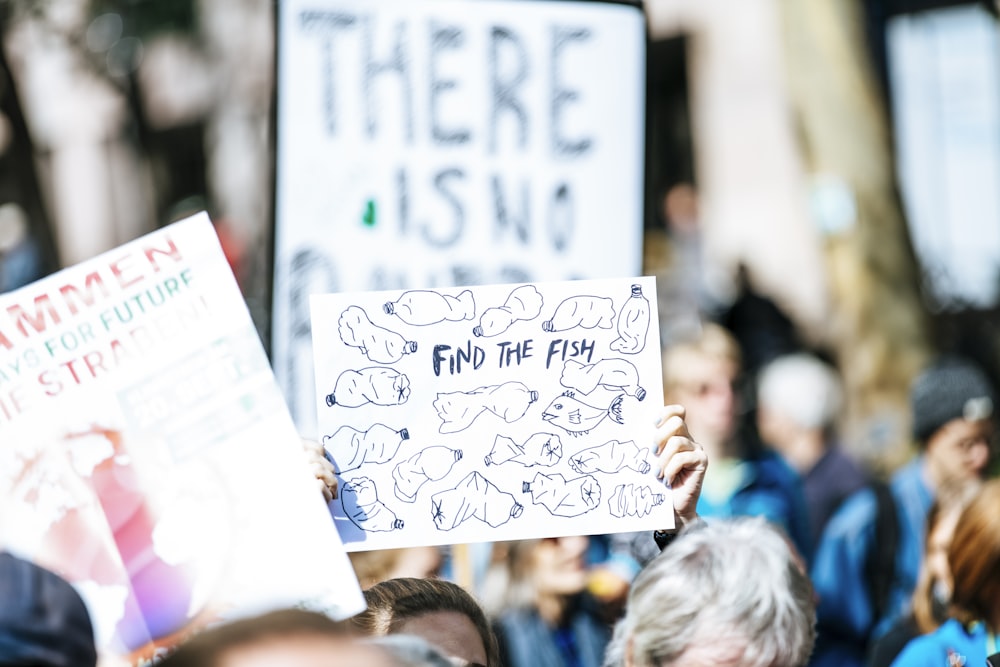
(576, 417)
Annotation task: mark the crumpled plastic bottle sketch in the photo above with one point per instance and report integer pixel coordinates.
(582, 311)
(379, 345)
(458, 410)
(427, 465)
(612, 374)
(541, 449)
(613, 456)
(424, 307)
(631, 500)
(475, 496)
(365, 510)
(378, 385)
(376, 445)
(562, 497)
(524, 303)
(633, 323)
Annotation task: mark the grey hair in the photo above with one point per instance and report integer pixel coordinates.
(803, 388)
(731, 584)
(410, 651)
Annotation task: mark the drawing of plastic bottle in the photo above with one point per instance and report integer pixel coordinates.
(427, 465)
(524, 303)
(613, 456)
(378, 385)
(475, 496)
(541, 449)
(364, 509)
(159, 591)
(562, 497)
(581, 311)
(423, 307)
(376, 445)
(379, 345)
(458, 410)
(612, 374)
(633, 323)
(630, 500)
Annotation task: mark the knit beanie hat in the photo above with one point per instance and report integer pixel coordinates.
(43, 620)
(950, 389)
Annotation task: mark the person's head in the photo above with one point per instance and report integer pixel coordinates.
(953, 407)
(288, 637)
(372, 567)
(930, 596)
(797, 394)
(701, 375)
(974, 558)
(536, 574)
(43, 620)
(731, 592)
(440, 611)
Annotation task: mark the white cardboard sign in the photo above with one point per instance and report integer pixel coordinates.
(491, 413)
(444, 142)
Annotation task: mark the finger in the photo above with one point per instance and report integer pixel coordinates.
(668, 411)
(689, 460)
(673, 445)
(673, 427)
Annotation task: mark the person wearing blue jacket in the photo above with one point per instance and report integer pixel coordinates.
(952, 405)
(702, 374)
(974, 560)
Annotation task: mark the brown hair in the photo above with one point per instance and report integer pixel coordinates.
(393, 602)
(974, 556)
(950, 501)
(207, 648)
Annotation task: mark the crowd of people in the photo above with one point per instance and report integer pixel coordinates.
(786, 552)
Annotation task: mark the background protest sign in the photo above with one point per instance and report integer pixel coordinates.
(491, 413)
(147, 454)
(440, 143)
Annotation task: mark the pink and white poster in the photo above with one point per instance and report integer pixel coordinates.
(146, 453)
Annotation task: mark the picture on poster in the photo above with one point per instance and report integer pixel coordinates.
(490, 413)
(147, 454)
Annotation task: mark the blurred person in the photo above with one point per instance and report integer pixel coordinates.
(763, 329)
(43, 620)
(703, 375)
(799, 401)
(439, 611)
(374, 567)
(727, 592)
(952, 404)
(929, 606)
(544, 617)
(970, 635)
(286, 637)
(536, 590)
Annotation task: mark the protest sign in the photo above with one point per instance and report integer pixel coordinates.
(146, 453)
(441, 143)
(491, 413)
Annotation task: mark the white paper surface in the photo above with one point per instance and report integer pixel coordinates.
(443, 143)
(147, 454)
(491, 413)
